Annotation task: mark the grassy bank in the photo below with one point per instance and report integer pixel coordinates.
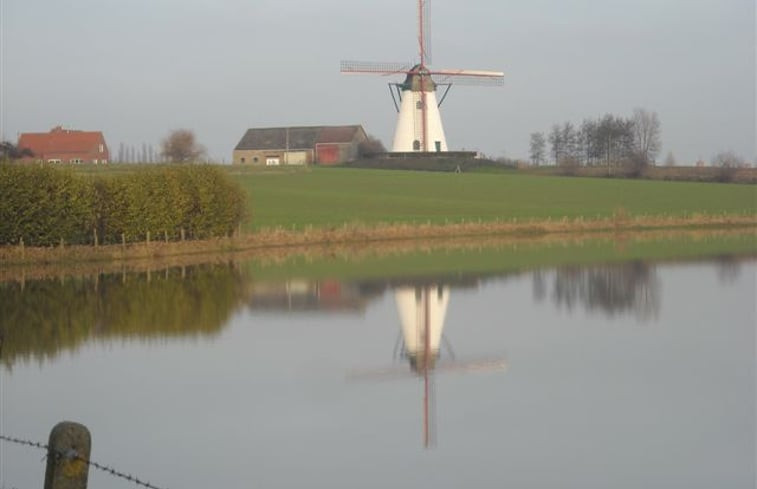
(304, 207)
(281, 244)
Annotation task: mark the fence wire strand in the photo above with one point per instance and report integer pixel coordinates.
(72, 455)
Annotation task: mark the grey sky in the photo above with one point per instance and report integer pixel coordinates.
(138, 69)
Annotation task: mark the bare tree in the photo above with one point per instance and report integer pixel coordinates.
(556, 143)
(538, 147)
(569, 140)
(371, 147)
(728, 159)
(9, 151)
(727, 162)
(646, 135)
(181, 146)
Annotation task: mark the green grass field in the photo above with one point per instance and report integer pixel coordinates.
(322, 197)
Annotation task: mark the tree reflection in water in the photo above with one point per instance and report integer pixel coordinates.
(41, 318)
(613, 289)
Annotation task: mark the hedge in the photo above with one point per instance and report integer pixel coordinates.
(44, 205)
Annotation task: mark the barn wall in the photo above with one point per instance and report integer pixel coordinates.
(259, 157)
(336, 153)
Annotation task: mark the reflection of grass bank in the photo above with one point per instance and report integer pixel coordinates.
(496, 256)
(282, 254)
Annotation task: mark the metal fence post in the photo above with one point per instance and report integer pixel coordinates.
(68, 456)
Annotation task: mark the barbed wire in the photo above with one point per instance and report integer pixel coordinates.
(73, 455)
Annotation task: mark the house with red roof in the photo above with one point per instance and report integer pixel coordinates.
(65, 146)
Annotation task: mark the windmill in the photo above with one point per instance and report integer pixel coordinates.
(419, 123)
(422, 310)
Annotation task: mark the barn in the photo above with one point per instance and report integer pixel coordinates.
(305, 145)
(65, 146)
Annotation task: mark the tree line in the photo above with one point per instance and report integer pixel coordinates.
(609, 140)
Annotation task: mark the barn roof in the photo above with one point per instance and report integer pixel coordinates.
(296, 137)
(60, 141)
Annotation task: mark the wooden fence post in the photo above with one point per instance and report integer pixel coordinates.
(67, 456)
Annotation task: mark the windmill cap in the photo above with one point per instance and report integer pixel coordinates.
(413, 80)
(419, 362)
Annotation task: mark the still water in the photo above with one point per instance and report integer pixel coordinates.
(625, 376)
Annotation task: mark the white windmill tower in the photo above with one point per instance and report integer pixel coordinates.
(422, 310)
(419, 122)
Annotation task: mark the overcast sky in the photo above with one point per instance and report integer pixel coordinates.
(137, 69)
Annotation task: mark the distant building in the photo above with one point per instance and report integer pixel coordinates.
(66, 146)
(323, 145)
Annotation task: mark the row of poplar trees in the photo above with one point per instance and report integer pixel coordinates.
(609, 141)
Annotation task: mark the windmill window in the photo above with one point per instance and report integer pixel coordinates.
(416, 145)
(419, 105)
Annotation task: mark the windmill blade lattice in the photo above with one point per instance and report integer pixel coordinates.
(425, 23)
(469, 77)
(374, 67)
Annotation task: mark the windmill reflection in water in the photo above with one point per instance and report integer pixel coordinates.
(422, 310)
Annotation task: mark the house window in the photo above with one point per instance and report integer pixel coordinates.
(53, 160)
(75, 161)
(255, 159)
(272, 160)
(102, 148)
(242, 159)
